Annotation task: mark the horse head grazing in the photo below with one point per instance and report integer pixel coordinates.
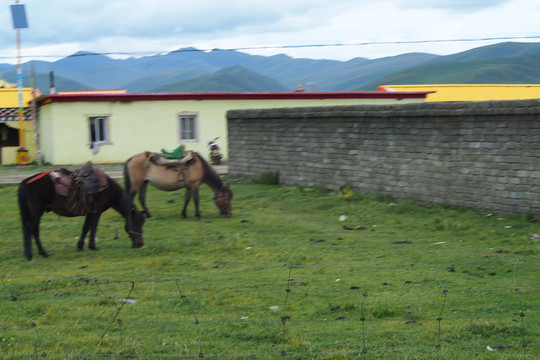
(222, 199)
(134, 224)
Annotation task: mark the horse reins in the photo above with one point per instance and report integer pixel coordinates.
(221, 192)
(132, 232)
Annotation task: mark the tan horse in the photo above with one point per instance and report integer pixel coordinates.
(148, 167)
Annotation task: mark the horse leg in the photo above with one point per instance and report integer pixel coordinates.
(93, 230)
(187, 196)
(142, 199)
(41, 250)
(196, 201)
(86, 226)
(31, 228)
(27, 233)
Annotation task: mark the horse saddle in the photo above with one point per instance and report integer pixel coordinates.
(176, 164)
(89, 178)
(78, 187)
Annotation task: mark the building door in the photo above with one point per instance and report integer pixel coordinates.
(8, 137)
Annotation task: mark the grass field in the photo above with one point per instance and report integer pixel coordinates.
(283, 277)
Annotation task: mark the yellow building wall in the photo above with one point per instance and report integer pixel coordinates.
(472, 92)
(9, 98)
(9, 153)
(138, 126)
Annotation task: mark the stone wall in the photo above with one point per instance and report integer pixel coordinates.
(483, 155)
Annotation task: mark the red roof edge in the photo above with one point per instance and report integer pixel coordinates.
(74, 97)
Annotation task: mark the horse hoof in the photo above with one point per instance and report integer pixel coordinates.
(92, 248)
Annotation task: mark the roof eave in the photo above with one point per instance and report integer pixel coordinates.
(47, 99)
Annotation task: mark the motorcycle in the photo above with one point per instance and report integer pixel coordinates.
(215, 153)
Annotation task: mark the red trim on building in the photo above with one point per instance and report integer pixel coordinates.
(47, 99)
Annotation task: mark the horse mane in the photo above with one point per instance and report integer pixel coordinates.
(124, 203)
(211, 176)
(115, 185)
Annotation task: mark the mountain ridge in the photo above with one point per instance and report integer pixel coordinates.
(233, 78)
(519, 69)
(188, 68)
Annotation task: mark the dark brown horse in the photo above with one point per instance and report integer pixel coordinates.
(37, 195)
(146, 167)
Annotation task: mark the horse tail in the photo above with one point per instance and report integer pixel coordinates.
(127, 178)
(131, 168)
(25, 216)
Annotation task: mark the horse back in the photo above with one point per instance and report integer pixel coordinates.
(165, 178)
(39, 193)
(36, 194)
(144, 167)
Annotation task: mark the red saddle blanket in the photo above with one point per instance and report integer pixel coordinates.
(92, 183)
(78, 187)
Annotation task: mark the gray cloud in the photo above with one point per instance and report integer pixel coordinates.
(62, 27)
(464, 6)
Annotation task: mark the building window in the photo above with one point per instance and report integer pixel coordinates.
(188, 127)
(99, 131)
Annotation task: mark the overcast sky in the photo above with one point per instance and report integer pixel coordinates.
(298, 28)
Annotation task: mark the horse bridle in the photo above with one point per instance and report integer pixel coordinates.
(221, 193)
(135, 234)
(131, 232)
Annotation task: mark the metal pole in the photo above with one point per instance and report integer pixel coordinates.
(20, 90)
(34, 115)
(18, 14)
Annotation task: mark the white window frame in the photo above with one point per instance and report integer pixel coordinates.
(104, 135)
(195, 127)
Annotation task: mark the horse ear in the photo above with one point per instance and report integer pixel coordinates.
(134, 214)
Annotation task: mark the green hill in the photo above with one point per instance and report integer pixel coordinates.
(157, 80)
(352, 74)
(223, 70)
(522, 69)
(235, 78)
(43, 83)
(501, 50)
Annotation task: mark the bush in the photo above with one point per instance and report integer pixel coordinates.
(268, 178)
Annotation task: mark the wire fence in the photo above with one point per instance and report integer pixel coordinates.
(189, 49)
(441, 311)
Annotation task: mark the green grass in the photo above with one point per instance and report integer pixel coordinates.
(283, 274)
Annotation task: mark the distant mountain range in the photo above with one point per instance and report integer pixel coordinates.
(191, 70)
